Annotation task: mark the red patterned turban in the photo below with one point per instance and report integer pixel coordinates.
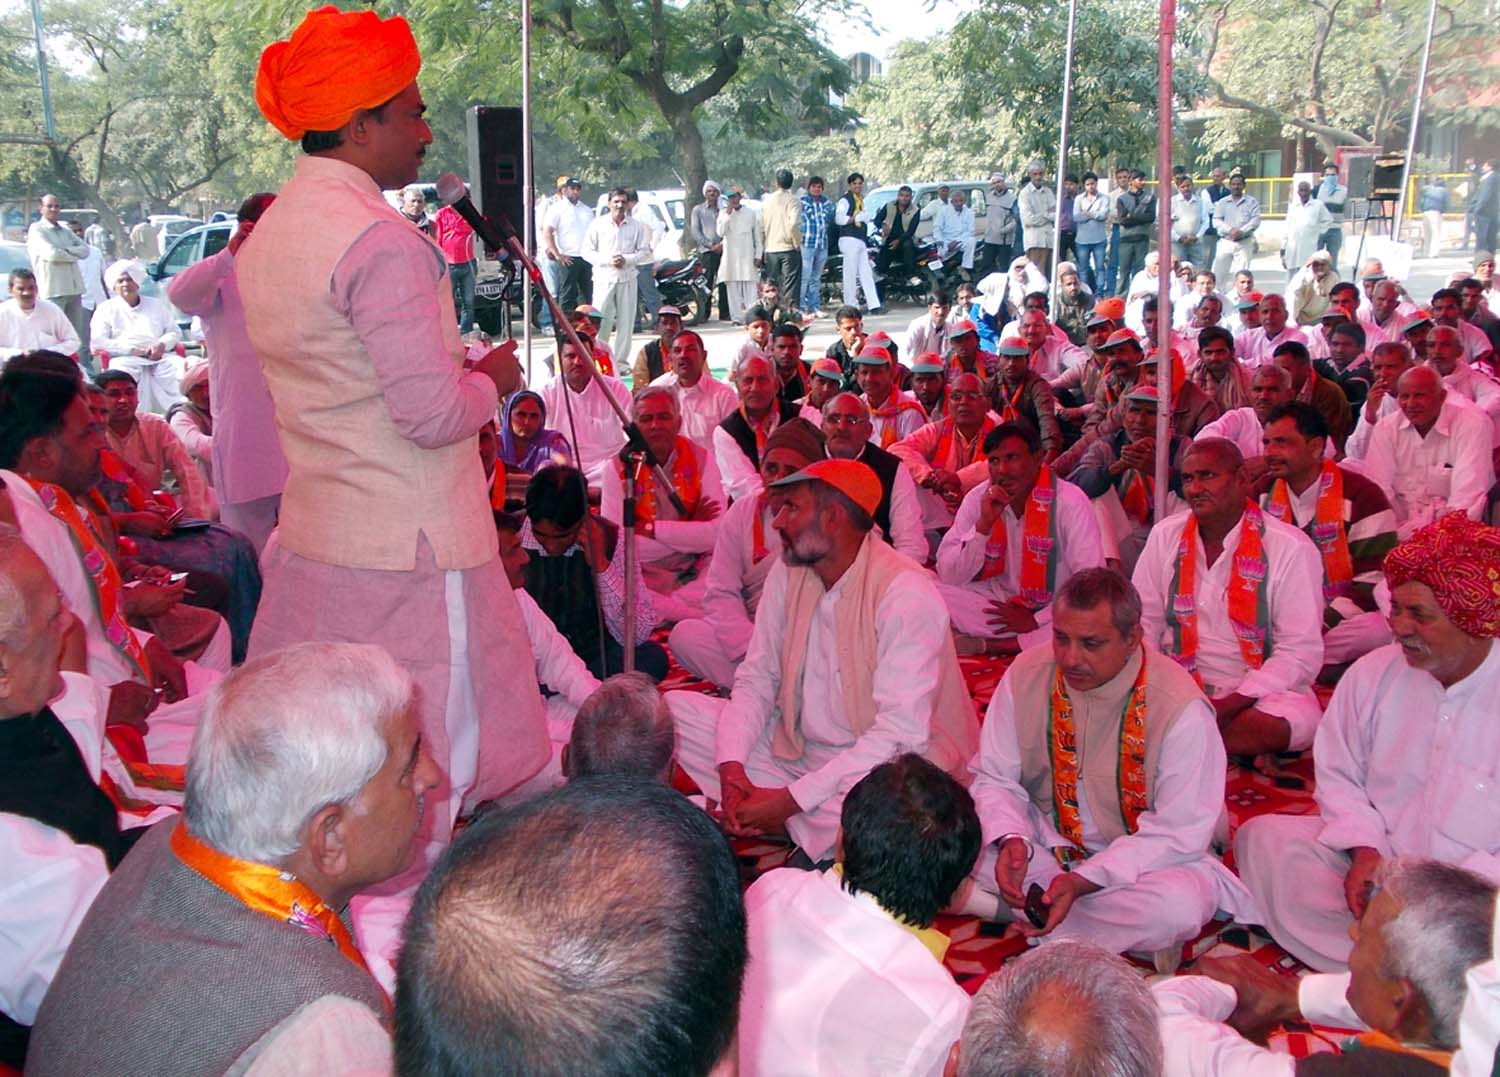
(1459, 559)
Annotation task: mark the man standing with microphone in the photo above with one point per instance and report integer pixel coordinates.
(385, 533)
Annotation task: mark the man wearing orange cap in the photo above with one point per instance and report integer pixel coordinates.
(385, 533)
(1076, 387)
(850, 662)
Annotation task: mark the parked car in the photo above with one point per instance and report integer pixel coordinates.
(976, 191)
(13, 256)
(189, 248)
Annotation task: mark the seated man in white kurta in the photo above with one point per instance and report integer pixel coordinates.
(851, 662)
(673, 543)
(138, 334)
(28, 323)
(584, 411)
(705, 400)
(1014, 541)
(944, 455)
(1099, 778)
(1236, 597)
(845, 972)
(1408, 757)
(712, 646)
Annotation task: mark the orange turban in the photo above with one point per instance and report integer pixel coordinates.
(334, 64)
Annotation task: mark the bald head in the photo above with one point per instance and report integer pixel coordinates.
(1223, 452)
(1420, 395)
(1445, 348)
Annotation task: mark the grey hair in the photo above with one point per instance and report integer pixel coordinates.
(645, 392)
(15, 619)
(1392, 346)
(286, 735)
(1444, 929)
(1109, 1026)
(1271, 370)
(624, 728)
(1088, 587)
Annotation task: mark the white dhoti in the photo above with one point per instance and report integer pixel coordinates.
(968, 608)
(702, 651)
(674, 600)
(158, 382)
(1233, 255)
(696, 718)
(1354, 637)
(741, 295)
(1298, 882)
(1160, 909)
(858, 275)
(170, 728)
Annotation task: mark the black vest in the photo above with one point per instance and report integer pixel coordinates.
(655, 364)
(564, 589)
(738, 429)
(885, 465)
(852, 230)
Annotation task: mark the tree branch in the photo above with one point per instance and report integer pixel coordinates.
(1312, 127)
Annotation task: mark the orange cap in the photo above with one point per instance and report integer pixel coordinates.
(334, 64)
(858, 482)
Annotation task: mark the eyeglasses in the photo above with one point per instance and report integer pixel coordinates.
(844, 420)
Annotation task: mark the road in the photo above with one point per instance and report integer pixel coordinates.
(724, 340)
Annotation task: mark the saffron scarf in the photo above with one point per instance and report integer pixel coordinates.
(890, 411)
(762, 429)
(1062, 735)
(1381, 1041)
(1246, 600)
(948, 437)
(1038, 544)
(1137, 495)
(1011, 410)
(102, 573)
(267, 890)
(1327, 528)
(687, 480)
(758, 549)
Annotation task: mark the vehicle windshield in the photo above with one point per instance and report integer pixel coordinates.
(675, 211)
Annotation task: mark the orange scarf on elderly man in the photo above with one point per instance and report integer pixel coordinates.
(1038, 544)
(687, 480)
(1249, 612)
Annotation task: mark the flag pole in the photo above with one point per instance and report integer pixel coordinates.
(1166, 33)
(1062, 147)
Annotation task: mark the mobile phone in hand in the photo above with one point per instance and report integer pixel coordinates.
(1036, 909)
(177, 577)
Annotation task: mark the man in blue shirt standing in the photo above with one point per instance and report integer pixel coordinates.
(817, 220)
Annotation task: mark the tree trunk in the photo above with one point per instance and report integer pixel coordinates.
(694, 165)
(67, 169)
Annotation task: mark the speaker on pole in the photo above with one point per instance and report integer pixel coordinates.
(495, 175)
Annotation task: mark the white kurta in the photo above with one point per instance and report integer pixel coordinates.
(600, 434)
(1405, 767)
(740, 477)
(1243, 427)
(1305, 222)
(1449, 470)
(43, 326)
(1479, 1021)
(1254, 347)
(1198, 1044)
(922, 336)
(117, 327)
(560, 671)
(835, 985)
(960, 558)
(1161, 883)
(1282, 686)
(912, 627)
(713, 646)
(1479, 388)
(704, 405)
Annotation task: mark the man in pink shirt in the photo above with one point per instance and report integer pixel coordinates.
(454, 235)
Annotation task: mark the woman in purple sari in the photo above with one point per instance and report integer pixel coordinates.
(524, 445)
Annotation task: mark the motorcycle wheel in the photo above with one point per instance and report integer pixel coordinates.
(703, 300)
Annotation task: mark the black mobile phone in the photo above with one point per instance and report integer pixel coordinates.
(1036, 910)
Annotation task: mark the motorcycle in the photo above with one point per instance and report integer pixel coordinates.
(683, 283)
(891, 287)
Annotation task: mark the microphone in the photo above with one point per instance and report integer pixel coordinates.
(452, 191)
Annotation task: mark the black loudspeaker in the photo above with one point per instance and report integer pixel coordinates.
(1359, 176)
(495, 176)
(1385, 179)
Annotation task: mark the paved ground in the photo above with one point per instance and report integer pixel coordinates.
(724, 339)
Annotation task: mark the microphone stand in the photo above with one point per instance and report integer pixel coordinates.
(634, 461)
(562, 322)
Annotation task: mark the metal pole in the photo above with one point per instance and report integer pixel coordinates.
(1062, 147)
(48, 123)
(528, 181)
(1416, 116)
(1166, 32)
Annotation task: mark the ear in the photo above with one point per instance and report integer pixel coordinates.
(327, 840)
(950, 1067)
(1411, 1013)
(7, 685)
